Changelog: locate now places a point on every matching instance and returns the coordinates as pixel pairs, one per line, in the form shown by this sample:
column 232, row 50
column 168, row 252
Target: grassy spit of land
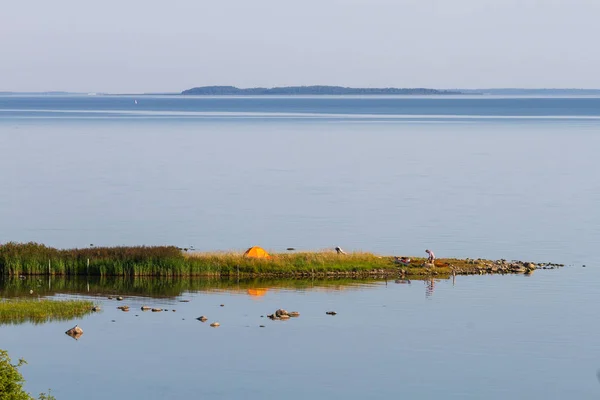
column 17, row 311
column 168, row 261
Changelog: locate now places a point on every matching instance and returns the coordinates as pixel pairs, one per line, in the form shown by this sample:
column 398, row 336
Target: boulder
column 75, row 332
column 281, row 312
column 215, row 324
column 146, row 308
column 202, row 318
column 294, row 314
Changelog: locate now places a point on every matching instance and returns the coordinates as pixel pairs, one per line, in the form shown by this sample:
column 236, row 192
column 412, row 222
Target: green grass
column 40, row 311
column 307, row 263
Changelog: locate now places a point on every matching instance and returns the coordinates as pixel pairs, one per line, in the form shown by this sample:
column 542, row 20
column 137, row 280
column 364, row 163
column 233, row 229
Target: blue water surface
column 476, row 176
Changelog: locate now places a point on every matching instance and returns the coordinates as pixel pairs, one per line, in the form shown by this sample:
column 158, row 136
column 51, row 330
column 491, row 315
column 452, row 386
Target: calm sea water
column 468, row 177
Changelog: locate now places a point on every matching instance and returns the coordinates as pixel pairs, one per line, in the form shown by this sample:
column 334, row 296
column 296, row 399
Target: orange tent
column 256, row 252
column 257, row 292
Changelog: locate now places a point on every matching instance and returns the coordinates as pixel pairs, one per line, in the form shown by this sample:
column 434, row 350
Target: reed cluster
column 38, row 259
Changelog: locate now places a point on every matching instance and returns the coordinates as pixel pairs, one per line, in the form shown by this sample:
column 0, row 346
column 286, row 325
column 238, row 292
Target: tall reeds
column 38, row 259
column 169, row 261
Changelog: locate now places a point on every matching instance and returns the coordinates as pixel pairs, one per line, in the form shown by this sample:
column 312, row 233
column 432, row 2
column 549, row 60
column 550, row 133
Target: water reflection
column 259, row 292
column 38, row 287
column 428, row 282
column 429, row 287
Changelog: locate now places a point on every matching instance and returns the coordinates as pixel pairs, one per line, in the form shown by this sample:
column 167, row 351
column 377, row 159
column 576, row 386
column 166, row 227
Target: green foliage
column 46, row 396
column 11, row 381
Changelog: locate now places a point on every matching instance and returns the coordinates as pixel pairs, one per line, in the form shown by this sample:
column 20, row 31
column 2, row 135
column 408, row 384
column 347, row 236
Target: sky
column 141, row 46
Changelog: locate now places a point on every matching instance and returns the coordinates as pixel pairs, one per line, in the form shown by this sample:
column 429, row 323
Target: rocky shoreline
column 502, row 266
column 419, row 267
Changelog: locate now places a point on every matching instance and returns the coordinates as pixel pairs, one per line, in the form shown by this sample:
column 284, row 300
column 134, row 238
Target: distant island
column 310, row 90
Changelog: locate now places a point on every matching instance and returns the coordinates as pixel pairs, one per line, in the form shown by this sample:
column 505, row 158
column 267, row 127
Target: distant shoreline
column 327, row 91
column 311, row 90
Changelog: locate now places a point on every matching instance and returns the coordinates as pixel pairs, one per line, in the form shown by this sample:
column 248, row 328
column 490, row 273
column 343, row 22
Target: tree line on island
column 311, row 90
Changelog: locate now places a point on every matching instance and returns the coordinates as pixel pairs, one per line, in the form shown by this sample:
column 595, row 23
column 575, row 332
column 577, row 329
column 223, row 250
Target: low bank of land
column 35, row 259
column 18, row 311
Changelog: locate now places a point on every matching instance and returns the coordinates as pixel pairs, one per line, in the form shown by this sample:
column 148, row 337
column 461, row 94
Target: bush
column 11, row 381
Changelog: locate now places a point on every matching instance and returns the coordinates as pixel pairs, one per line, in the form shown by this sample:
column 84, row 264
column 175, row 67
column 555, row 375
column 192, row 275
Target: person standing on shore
column 431, row 258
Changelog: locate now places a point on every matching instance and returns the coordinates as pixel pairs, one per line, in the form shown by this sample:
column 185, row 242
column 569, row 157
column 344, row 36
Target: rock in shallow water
column 75, row 332
column 281, row 312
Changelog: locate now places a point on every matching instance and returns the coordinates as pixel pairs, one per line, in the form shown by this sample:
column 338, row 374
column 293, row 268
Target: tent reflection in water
column 257, row 292
column 256, row 252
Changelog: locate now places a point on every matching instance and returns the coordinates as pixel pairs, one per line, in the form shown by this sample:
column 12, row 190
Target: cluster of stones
column 202, row 318
column 282, row 314
column 153, row 309
column 504, row 267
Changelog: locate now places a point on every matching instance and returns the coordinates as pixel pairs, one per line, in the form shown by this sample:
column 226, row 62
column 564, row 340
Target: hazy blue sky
column 160, row 45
